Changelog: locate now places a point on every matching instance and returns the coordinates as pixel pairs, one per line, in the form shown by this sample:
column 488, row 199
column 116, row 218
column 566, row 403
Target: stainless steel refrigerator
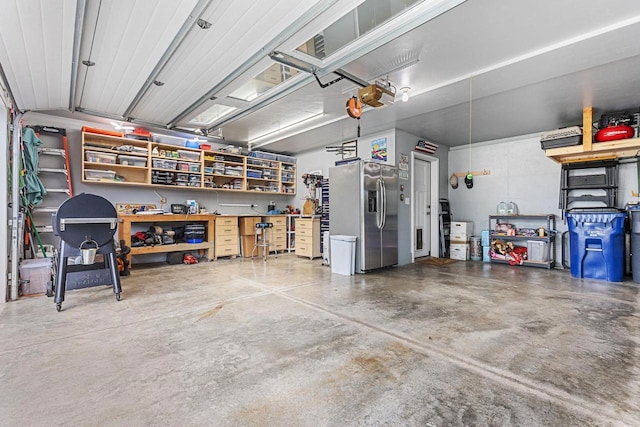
column 364, row 203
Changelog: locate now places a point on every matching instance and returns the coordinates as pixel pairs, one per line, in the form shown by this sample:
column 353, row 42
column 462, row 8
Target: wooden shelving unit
column 166, row 165
column 589, row 150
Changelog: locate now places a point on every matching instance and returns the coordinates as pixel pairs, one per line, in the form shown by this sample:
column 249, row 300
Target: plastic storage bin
column 189, row 155
column 343, row 255
column 99, row 175
column 596, row 244
column 35, row 273
column 97, row 157
column 537, row 251
column 132, row 160
column 194, row 233
column 164, row 164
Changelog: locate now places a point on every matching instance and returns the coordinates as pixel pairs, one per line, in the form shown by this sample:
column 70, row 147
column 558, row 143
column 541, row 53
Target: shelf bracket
column 474, row 173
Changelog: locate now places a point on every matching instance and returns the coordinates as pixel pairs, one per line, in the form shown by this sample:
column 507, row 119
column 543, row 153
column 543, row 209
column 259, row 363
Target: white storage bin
column 98, row 157
column 132, row 160
column 194, row 156
column 99, row 175
column 343, row 254
column 537, row 251
column 35, row 273
column 171, row 140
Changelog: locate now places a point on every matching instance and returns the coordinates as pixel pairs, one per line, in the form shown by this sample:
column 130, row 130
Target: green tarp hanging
column 33, row 188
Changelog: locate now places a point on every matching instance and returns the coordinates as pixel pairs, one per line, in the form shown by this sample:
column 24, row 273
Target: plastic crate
column 170, row 140
column 286, row 159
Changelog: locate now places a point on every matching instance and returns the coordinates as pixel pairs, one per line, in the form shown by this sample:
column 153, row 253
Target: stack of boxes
column 460, row 234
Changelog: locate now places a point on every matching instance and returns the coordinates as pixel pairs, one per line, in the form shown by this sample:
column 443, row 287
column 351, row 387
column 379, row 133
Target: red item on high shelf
column 614, row 133
column 102, row 131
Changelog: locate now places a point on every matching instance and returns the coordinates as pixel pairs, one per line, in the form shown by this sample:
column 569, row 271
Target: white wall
column 521, row 173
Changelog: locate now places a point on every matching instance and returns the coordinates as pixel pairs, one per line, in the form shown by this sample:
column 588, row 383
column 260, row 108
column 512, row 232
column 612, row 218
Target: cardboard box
column 248, row 225
column 459, row 251
column 461, row 231
column 34, row 275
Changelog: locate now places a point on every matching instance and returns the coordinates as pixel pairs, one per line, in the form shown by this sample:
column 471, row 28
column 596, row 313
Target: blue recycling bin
column 596, row 244
column 634, row 212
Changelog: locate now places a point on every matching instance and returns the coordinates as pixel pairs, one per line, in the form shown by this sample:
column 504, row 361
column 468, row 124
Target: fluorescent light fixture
column 289, row 126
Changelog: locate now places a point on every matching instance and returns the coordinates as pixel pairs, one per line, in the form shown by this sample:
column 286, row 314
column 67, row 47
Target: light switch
column 407, row 201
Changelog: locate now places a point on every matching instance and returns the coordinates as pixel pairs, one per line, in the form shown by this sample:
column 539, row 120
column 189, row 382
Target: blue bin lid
column 596, row 217
column 633, row 207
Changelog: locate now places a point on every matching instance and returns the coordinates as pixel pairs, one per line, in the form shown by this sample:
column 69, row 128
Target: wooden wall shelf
column 590, row 151
column 212, row 170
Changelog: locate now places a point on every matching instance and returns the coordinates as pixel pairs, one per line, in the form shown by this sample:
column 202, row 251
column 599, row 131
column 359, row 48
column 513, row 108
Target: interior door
column 422, row 208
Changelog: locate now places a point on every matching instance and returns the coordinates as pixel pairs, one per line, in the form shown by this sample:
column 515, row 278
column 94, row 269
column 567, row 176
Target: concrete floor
column 236, row 342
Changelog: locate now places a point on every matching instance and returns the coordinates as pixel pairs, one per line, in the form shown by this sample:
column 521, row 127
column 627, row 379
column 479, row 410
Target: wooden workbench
column 124, row 233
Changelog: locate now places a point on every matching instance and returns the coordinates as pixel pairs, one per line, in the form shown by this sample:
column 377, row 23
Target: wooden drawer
column 306, row 224
column 280, row 246
column 278, row 221
column 225, row 221
column 304, row 232
column 226, row 240
column 226, row 250
column 306, row 240
column 304, row 249
column 279, row 229
column 226, row 230
column 277, row 238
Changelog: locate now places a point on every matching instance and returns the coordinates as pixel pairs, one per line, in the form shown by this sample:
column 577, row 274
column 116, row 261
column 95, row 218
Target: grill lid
column 86, row 216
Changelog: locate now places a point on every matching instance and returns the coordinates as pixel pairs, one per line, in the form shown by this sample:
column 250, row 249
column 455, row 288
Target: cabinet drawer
column 304, row 232
column 226, row 221
column 307, row 240
column 280, row 246
column 279, row 229
column 279, row 238
column 228, row 230
column 225, row 250
column 278, row 221
column 303, row 223
column 226, row 240
column 304, row 249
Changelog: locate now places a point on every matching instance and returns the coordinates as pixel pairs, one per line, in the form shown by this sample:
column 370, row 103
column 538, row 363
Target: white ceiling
column 535, row 65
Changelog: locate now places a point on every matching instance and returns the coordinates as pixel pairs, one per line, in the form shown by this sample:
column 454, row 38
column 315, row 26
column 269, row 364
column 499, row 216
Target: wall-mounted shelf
column 155, row 164
column 590, row 151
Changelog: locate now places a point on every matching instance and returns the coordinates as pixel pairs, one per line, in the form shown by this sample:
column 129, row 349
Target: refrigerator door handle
column 384, row 203
column 379, row 203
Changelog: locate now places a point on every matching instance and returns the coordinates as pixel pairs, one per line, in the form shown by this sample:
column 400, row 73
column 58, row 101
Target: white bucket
column 88, row 254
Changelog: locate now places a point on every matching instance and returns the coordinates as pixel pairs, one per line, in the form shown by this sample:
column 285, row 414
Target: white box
column 459, row 251
column 461, row 231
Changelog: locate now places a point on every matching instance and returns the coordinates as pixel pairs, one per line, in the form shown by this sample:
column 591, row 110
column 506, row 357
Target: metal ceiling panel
column 125, row 39
column 37, row 41
column 239, row 29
